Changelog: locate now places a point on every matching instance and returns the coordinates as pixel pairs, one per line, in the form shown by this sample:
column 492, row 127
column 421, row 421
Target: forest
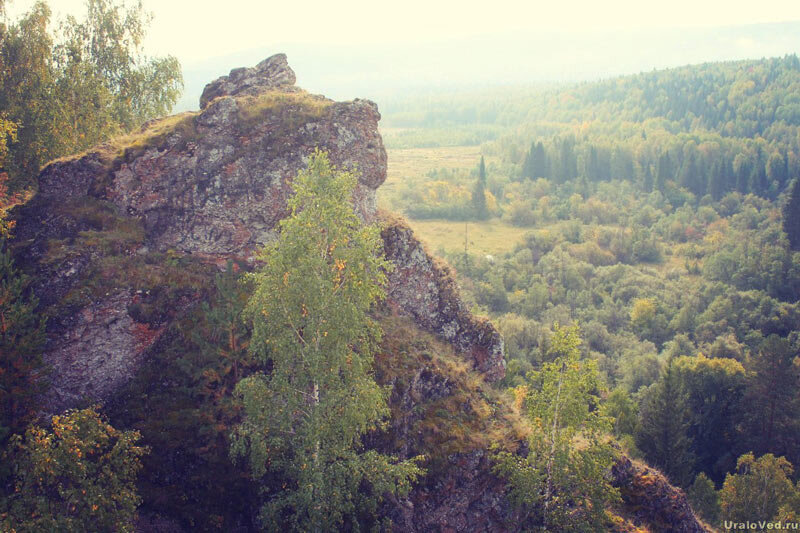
column 644, row 276
column 661, row 219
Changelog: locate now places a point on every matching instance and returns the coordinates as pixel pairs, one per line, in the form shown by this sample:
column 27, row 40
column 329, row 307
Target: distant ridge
column 348, row 71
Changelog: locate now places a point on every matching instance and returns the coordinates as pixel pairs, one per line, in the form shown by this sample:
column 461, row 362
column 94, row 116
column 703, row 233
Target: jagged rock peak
column 271, row 73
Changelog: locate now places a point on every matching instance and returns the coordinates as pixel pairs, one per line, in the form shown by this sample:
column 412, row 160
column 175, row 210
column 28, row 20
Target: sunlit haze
column 194, row 30
column 364, row 48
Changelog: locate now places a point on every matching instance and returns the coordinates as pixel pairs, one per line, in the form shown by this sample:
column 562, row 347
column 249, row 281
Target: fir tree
column 528, row 165
column 592, row 171
column 771, row 399
column 743, row 168
column 663, row 427
column 691, row 176
column 791, row 216
column 719, row 182
column 541, row 165
column 479, row 193
column 647, row 178
column 664, row 172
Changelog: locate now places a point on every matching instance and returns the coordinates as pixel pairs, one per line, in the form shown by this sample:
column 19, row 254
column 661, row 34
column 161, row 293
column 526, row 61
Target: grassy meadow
column 493, row 236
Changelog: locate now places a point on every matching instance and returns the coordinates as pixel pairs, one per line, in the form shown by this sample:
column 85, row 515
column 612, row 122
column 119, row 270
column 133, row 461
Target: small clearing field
column 487, row 237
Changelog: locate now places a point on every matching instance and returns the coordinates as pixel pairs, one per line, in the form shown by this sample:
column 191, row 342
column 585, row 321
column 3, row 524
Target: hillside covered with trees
column 661, row 217
column 207, row 324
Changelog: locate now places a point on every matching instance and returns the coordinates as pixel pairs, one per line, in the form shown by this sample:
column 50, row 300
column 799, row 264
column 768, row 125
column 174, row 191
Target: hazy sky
column 194, row 30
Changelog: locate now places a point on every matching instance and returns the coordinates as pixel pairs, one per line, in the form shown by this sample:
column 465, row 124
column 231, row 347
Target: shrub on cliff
column 306, row 414
column 562, row 484
column 77, row 476
column 21, row 341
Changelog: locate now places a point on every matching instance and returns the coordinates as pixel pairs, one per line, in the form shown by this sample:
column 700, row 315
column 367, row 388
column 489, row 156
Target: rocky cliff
column 651, row 501
column 195, row 190
column 123, row 241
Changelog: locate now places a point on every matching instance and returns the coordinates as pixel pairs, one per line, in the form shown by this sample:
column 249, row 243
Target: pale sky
column 195, row 30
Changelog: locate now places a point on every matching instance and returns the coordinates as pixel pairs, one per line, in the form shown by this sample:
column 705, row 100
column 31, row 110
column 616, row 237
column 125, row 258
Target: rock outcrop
column 425, row 287
column 441, row 411
column 651, row 501
column 122, row 240
column 270, row 73
column 202, row 188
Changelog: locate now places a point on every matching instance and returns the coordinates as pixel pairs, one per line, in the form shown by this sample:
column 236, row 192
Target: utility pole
column 466, row 247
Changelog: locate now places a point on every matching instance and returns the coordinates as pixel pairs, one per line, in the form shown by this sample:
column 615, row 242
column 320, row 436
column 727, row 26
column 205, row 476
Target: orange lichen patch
column 144, row 336
column 618, row 524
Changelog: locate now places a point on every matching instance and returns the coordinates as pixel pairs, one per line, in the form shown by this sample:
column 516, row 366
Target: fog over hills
column 386, row 71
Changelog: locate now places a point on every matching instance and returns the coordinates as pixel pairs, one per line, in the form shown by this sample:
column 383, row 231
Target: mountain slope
column 124, row 243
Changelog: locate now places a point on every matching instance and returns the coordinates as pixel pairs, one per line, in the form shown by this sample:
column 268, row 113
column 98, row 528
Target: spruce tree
column 758, row 179
column 716, row 181
column 541, row 165
column 479, row 205
column 664, row 171
column 691, row 175
column 791, row 216
column 592, row 165
column 664, row 421
column 528, row 164
column 743, row 168
column 771, row 400
column 305, row 416
column 647, row 178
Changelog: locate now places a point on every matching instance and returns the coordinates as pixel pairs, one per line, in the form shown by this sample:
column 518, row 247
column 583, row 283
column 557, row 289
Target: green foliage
column 654, row 203
column 479, row 193
column 664, row 420
column 304, row 417
column 21, row 343
column 182, row 402
column 704, row 499
column 624, row 412
column 760, row 490
column 715, row 389
column 772, row 404
column 8, row 134
column 79, row 475
column 223, row 340
column 791, row 216
column 647, row 321
column 561, row 483
column 70, row 89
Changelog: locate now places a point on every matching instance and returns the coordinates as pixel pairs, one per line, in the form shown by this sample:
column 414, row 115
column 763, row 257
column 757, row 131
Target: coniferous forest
column 570, row 307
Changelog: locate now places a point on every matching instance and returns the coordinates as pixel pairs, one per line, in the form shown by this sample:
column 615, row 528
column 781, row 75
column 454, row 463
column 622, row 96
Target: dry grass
column 413, row 164
column 492, row 236
column 152, row 133
column 295, row 107
column 473, row 416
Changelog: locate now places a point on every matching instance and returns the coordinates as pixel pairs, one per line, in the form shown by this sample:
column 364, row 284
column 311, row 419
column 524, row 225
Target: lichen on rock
column 208, row 187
